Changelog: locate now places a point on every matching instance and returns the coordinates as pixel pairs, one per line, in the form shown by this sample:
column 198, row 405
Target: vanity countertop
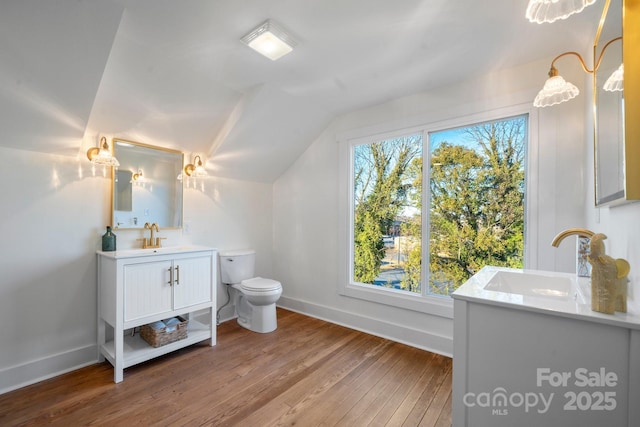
column 574, row 302
column 134, row 253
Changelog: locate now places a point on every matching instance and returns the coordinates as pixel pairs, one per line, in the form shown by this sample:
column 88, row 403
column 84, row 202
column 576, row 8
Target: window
column 387, row 213
column 477, row 189
column 417, row 230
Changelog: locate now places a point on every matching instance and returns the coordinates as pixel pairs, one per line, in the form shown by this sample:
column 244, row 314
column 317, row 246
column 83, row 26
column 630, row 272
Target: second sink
column 530, row 284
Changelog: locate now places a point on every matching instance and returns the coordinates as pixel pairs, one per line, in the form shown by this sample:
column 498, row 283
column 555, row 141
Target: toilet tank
column 236, row 266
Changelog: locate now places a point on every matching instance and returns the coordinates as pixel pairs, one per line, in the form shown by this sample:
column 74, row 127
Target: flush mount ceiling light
column 557, row 90
column 102, row 155
column 541, row 11
column 270, row 40
column 195, row 169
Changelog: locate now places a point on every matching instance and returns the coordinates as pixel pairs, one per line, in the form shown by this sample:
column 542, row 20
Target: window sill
column 437, row 306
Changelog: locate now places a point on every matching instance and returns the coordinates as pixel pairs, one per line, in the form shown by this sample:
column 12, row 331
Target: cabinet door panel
column 194, row 286
column 147, row 290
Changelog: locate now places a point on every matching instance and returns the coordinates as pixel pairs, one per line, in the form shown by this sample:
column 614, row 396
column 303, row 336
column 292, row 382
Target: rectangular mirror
column 147, row 187
column 616, row 126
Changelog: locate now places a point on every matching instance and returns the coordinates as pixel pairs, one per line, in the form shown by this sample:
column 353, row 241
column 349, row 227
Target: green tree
column 380, row 194
column 477, row 204
column 412, row 227
column 456, row 199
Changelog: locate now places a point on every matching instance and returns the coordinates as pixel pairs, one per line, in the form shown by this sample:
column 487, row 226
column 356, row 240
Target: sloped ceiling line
column 175, row 74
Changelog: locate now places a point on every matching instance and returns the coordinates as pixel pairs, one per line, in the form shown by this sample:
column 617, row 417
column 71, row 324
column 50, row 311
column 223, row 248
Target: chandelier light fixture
column 541, row 11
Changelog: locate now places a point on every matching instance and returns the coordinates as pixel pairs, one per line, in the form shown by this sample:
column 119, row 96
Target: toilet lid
column 258, row 284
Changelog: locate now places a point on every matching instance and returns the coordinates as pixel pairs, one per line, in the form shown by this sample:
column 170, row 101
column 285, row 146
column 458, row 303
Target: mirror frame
column 631, row 143
column 113, row 173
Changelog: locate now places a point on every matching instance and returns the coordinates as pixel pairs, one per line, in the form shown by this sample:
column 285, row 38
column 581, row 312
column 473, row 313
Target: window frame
column 423, row 302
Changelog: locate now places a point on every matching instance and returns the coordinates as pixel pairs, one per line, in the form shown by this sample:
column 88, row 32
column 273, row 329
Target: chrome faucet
column 583, row 268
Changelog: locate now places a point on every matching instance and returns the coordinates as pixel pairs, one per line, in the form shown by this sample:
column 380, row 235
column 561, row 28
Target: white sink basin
column 539, row 291
column 531, row 284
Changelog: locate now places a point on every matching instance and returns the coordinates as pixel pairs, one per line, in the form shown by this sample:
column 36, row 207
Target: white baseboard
column 39, row 370
column 382, row 328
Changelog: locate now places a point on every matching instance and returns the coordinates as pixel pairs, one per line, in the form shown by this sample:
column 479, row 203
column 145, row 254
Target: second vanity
column 142, row 286
column 528, row 351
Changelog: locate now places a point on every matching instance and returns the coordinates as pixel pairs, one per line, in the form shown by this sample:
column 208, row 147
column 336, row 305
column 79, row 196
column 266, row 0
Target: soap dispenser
column 109, row 240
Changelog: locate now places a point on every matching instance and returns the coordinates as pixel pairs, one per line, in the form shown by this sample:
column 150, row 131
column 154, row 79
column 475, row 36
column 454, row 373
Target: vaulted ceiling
column 174, row 72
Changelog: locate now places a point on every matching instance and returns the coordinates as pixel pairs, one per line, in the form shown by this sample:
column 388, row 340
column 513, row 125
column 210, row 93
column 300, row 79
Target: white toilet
column 254, row 297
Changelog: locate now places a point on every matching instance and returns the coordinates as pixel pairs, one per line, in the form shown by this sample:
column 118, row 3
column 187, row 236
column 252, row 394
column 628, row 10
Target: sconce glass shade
column 102, row 155
column 615, row 82
column 270, row 40
column 541, row 11
column 195, row 169
column 555, row 91
column 200, row 171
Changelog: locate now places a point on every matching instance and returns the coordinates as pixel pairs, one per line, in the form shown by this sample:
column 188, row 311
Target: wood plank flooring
column 306, row 373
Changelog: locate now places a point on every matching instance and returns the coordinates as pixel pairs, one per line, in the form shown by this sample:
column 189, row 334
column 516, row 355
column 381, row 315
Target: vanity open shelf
column 138, row 288
column 136, row 350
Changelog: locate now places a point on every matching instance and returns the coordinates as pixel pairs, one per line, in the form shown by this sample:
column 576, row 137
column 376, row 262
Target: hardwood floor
column 306, row 373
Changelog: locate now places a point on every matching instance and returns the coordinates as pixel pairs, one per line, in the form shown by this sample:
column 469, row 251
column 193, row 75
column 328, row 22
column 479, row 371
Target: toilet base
column 262, row 318
column 256, row 318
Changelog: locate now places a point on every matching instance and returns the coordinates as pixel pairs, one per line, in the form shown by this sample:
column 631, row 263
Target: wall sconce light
column 270, row 40
column 137, row 176
column 541, row 11
column 557, row 90
column 195, row 169
column 615, row 82
column 102, row 155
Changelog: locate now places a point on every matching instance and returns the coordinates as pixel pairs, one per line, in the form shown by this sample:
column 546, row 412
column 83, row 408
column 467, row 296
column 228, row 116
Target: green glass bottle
column 109, row 240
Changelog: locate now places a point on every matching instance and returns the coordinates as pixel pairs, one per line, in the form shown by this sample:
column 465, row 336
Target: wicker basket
column 160, row 337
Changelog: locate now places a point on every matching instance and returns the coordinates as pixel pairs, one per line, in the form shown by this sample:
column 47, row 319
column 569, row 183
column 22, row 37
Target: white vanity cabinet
column 137, row 287
column 156, row 287
column 531, row 353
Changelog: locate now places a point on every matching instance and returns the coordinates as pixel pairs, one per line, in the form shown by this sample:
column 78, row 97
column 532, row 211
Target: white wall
column 54, row 211
column 306, row 200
